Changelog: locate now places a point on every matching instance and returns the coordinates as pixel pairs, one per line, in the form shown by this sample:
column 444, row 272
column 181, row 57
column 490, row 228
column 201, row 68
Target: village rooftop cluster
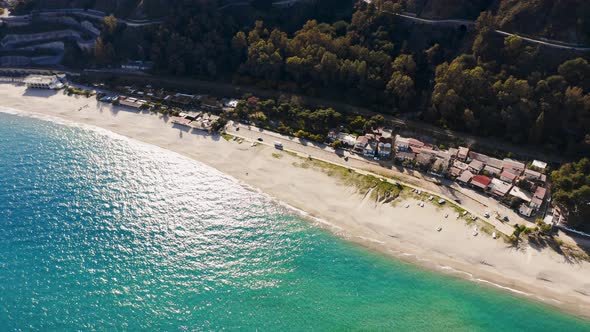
column 515, row 184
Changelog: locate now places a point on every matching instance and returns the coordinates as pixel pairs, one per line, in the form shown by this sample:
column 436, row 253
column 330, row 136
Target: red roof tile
column 483, row 180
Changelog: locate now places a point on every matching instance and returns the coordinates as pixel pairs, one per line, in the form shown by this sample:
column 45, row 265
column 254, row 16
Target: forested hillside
column 475, row 81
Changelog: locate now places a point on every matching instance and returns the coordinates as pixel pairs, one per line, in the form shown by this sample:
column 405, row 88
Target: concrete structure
column 463, row 153
column 541, row 165
column 465, row 177
column 131, row 102
column 43, row 82
column 475, row 166
column 519, row 193
column 500, row 188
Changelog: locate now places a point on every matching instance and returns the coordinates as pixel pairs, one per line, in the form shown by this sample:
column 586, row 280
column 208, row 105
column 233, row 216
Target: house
column 384, row 150
column 455, row 172
column 475, row 166
column 386, row 133
column 538, row 198
column 512, row 166
column 401, row 143
column 460, row 165
column 211, row 104
column 525, row 210
column 453, row 152
column 180, row 100
column 472, row 155
column 369, row 150
column 333, row 134
column 403, row 156
column 500, row 188
column 361, row 142
column 491, row 170
column 416, row 143
column 508, row 177
column 465, row 177
column 534, row 176
column 520, row 193
column 440, row 166
column 346, row 139
column 540, row 192
column 424, row 159
column 481, row 181
column 540, row 165
column 536, row 203
column 496, row 163
column 130, row 102
column 463, row 153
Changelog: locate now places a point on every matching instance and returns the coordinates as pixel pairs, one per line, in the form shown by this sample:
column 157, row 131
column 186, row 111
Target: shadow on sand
column 40, row 93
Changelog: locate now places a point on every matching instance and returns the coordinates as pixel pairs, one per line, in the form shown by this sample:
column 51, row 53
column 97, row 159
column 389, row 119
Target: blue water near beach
column 98, row 232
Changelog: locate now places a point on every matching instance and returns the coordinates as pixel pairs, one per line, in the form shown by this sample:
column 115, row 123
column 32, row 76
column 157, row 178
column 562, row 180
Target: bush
column 337, row 144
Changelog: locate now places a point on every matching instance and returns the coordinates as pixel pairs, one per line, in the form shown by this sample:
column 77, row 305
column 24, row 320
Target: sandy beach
column 408, row 233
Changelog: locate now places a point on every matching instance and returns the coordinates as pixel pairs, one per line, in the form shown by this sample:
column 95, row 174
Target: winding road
column 468, row 23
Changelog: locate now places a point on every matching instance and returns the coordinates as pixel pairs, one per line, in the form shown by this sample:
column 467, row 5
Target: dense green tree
column 571, row 192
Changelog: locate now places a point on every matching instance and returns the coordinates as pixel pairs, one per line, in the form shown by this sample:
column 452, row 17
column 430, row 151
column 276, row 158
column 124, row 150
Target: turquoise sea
column 98, row 232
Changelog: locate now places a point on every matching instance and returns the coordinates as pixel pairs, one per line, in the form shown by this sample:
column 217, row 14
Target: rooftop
column 500, row 187
column 465, row 176
column 481, row 181
column 476, row 164
column 517, row 192
column 539, row 164
column 540, row 192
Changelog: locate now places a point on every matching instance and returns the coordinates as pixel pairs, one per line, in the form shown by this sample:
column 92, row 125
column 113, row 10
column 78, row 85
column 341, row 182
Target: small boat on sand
column 494, row 235
column 439, row 229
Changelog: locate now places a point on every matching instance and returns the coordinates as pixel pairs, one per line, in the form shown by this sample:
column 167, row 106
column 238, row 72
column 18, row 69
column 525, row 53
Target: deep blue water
column 103, row 233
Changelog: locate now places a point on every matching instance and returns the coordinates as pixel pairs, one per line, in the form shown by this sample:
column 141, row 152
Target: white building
column 43, row 82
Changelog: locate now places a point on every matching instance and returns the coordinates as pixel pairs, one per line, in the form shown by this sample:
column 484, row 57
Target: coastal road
column 364, row 166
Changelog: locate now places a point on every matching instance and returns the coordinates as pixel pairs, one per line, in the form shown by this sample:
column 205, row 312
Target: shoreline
column 406, row 234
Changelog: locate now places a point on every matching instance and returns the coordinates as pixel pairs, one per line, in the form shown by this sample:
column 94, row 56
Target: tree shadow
column 540, row 243
column 181, row 128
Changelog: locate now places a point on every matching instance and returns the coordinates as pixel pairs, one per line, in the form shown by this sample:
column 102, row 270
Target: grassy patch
column 227, row 136
column 277, row 155
column 291, row 153
column 381, row 191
